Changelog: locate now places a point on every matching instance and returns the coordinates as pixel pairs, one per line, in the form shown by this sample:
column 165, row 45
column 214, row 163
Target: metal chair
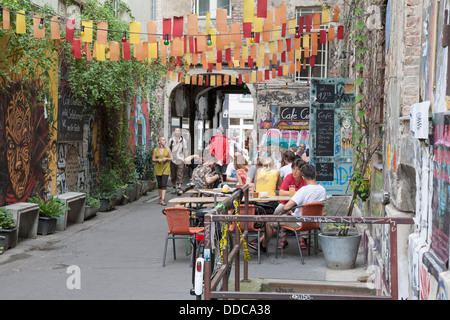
column 179, row 228
column 309, row 209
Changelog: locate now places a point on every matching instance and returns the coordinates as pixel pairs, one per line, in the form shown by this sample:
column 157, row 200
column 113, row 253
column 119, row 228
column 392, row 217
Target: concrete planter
column 90, row 212
column 11, row 236
column 340, row 252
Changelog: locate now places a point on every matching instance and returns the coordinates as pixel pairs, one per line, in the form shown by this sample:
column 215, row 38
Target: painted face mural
column 24, row 143
column 18, row 131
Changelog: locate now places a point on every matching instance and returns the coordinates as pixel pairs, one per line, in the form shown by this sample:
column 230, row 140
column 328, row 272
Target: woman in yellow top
column 162, row 156
column 267, row 180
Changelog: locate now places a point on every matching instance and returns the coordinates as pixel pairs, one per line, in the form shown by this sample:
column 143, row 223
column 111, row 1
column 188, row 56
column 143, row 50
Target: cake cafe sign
column 294, row 113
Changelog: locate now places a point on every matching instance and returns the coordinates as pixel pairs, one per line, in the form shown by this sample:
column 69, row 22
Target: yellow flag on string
column 208, row 19
column 249, row 10
column 21, row 26
column 153, row 50
column 100, row 52
column 88, row 31
column 325, row 16
column 135, row 32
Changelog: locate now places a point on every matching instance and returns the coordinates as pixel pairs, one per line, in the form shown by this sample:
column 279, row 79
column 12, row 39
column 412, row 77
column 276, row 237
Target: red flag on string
column 70, row 29
column 312, row 61
column 280, row 71
column 288, row 44
column 301, row 23
column 262, row 9
column 323, row 36
column 167, row 27
column 283, row 30
column 228, row 54
column 267, row 74
column 250, row 62
column 77, row 48
column 126, row 50
column 240, row 79
column 178, row 26
column 219, row 56
column 340, row 32
column 247, row 29
column 308, row 23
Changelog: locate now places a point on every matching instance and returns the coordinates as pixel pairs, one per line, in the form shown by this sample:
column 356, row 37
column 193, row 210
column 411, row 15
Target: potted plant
column 92, row 206
column 108, row 185
column 49, row 212
column 340, row 240
column 8, row 230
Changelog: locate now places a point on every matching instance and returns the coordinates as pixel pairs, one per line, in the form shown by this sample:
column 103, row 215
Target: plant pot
column 90, row 211
column 105, row 205
column 132, row 195
column 117, row 198
column 340, row 252
column 11, row 236
column 2, row 244
column 46, row 225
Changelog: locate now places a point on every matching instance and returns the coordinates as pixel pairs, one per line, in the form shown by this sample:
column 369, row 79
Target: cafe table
column 206, row 200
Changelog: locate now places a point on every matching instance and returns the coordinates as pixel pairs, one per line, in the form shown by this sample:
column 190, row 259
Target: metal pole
column 394, row 262
column 207, row 273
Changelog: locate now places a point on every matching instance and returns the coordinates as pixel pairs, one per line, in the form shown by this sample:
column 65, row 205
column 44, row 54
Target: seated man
column 204, row 176
column 310, row 193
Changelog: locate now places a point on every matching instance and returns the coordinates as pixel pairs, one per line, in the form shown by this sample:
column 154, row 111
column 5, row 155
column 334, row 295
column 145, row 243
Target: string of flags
column 266, row 41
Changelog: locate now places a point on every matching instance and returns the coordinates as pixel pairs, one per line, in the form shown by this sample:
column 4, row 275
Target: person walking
column 178, row 147
column 219, row 147
column 162, row 156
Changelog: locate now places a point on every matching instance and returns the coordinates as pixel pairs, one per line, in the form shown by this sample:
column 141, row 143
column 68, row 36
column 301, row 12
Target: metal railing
column 220, row 214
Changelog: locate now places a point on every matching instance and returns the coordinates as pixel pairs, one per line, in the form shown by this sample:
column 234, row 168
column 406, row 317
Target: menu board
column 70, row 117
column 325, row 171
column 325, row 93
column 331, row 152
column 324, row 133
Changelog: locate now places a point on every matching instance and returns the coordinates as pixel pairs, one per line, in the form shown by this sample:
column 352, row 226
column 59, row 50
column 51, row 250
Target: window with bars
column 319, row 70
column 204, row 6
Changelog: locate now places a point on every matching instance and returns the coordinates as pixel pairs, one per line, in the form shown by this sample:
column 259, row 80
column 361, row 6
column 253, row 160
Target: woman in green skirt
column 162, row 156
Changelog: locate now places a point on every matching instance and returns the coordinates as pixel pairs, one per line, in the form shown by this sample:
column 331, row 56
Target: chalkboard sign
column 325, row 171
column 325, row 93
column 324, row 133
column 70, row 117
column 294, row 113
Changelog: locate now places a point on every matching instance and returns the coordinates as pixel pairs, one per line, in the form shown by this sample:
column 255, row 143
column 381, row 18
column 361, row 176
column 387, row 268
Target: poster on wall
column 441, row 189
column 70, row 117
column 331, row 148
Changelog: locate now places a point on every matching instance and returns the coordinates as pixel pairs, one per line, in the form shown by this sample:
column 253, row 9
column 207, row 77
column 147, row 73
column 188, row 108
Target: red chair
column 314, row 209
column 251, row 225
column 178, row 221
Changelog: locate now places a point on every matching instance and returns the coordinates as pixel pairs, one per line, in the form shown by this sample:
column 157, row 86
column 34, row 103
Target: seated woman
column 293, row 179
column 241, row 166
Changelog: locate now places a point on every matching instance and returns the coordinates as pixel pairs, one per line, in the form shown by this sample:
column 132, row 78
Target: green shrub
column 50, row 208
column 6, row 219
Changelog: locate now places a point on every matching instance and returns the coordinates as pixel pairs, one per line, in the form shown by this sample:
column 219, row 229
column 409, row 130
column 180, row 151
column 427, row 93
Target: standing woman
column 162, row 156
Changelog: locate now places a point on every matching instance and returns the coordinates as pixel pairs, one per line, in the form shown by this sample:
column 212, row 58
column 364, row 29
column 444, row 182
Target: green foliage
column 6, row 219
column 109, row 181
column 22, row 56
column 92, row 202
column 50, row 208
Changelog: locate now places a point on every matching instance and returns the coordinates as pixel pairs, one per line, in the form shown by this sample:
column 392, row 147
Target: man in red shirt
column 219, row 147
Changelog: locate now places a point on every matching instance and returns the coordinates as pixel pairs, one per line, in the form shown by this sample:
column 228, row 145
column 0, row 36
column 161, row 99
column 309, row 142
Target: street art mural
column 25, row 135
column 140, row 134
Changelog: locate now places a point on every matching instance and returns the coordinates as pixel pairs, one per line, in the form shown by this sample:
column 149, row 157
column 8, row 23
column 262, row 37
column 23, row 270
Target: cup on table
column 291, row 190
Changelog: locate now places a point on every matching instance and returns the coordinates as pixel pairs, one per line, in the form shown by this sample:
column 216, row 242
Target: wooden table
column 204, row 200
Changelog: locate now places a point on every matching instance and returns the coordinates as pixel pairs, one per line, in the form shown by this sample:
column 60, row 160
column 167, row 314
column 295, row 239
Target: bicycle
column 215, row 255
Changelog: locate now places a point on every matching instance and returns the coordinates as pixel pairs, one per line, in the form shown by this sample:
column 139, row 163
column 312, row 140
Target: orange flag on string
column 102, row 32
column 336, row 13
column 114, row 50
column 192, row 24
column 331, row 33
column 6, row 18
column 316, row 20
column 221, row 20
column 38, row 33
column 314, row 43
column 152, row 31
column 54, row 28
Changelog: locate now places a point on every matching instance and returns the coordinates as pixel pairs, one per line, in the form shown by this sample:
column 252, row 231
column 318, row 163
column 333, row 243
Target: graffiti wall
column 140, row 134
column 25, row 135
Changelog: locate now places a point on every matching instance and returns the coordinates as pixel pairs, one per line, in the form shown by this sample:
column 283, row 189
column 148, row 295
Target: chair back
column 177, row 219
column 251, row 212
column 314, row 209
